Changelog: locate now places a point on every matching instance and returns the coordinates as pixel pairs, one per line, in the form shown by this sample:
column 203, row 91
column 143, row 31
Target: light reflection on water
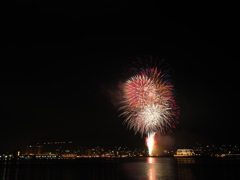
column 149, row 168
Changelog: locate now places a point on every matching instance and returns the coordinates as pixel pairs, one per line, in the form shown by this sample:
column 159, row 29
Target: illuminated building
column 51, row 148
column 184, row 153
column 34, row 150
column 58, row 147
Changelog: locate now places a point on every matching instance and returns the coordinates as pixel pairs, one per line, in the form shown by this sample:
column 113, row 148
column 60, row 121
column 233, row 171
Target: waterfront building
column 184, row 153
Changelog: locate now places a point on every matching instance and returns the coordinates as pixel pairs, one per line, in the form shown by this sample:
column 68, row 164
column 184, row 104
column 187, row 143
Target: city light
column 74, row 151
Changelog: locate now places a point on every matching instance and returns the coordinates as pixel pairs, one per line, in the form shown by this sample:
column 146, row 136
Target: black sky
column 59, row 62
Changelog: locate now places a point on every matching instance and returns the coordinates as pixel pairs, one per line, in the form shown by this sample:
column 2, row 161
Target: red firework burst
column 149, row 103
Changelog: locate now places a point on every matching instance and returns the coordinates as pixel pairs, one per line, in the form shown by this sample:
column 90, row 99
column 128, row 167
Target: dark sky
column 60, row 61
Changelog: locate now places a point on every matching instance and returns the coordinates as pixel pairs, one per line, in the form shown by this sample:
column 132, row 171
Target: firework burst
column 149, row 105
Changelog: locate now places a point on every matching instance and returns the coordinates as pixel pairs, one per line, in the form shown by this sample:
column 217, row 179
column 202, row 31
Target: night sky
column 61, row 65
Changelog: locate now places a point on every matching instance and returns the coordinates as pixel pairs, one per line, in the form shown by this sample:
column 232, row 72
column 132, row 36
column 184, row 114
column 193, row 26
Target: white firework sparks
column 150, row 142
column 149, row 104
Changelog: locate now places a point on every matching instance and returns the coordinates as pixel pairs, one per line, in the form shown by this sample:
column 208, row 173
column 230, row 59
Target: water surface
column 149, row 168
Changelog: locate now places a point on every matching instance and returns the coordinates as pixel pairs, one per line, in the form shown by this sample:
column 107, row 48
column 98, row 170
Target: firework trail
column 150, row 142
column 149, row 104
